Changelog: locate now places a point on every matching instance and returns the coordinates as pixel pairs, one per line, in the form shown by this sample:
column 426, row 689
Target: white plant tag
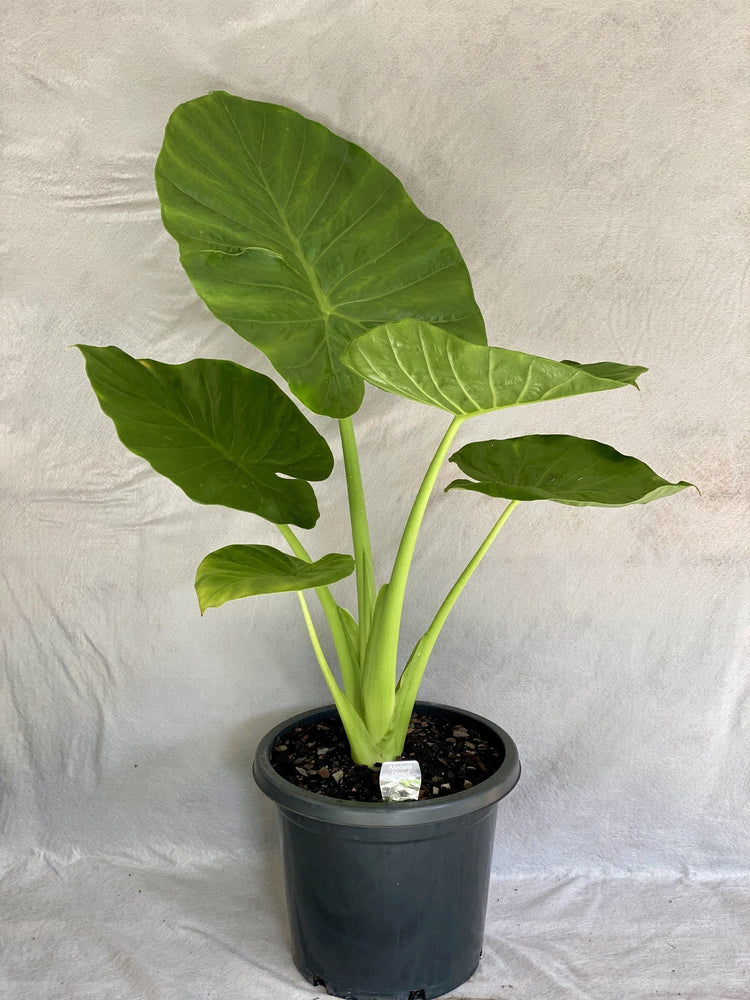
column 400, row 780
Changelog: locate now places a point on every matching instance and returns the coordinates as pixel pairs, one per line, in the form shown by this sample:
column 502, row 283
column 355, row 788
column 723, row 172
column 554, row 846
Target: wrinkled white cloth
column 590, row 158
column 106, row 930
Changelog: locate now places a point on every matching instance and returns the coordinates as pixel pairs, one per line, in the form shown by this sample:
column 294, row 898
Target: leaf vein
column 393, row 291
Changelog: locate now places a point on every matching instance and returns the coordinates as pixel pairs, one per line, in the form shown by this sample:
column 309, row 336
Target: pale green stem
column 294, row 543
column 410, row 680
column 381, row 684
column 360, row 533
column 444, row 610
column 319, row 654
column 349, row 673
column 364, row 750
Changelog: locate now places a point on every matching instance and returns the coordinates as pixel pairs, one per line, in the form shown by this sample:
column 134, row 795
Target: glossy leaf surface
column 247, row 570
column 224, row 434
column 557, row 467
column 428, row 364
column 300, row 240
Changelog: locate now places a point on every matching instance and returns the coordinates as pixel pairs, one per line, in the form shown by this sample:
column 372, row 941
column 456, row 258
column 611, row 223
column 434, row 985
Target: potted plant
column 311, row 250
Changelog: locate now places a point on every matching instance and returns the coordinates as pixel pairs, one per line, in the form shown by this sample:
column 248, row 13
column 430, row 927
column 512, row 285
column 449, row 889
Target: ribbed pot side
column 387, row 902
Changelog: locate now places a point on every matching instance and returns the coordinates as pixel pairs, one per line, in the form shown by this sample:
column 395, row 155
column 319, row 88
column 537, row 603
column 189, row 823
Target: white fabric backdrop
column 590, row 157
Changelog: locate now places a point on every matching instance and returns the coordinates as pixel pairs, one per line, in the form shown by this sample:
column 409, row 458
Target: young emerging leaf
column 300, row 241
column 557, row 467
column 222, row 433
column 247, row 570
column 427, row 364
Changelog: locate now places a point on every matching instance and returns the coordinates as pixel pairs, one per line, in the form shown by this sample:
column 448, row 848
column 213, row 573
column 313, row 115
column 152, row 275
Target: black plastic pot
column 387, row 902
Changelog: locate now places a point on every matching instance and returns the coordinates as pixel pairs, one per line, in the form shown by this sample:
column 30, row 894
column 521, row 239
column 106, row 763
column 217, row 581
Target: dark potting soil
column 452, row 753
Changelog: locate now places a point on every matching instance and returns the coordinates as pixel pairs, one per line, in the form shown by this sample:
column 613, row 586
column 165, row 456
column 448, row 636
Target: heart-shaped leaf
column 557, row 467
column 300, row 240
column 430, row 365
column 246, row 570
column 224, row 434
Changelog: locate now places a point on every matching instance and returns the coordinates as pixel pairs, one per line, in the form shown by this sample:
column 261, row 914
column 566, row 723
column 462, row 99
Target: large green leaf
column 428, row 364
column 300, row 240
column 246, row 570
column 557, row 467
column 224, row 434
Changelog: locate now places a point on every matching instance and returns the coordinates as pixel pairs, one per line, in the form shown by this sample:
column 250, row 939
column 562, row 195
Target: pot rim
column 380, row 814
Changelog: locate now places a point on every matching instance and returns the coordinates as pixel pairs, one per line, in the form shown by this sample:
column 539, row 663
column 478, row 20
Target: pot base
column 425, row 993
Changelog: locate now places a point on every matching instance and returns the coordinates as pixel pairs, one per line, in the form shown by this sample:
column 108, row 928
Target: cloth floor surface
column 590, row 159
column 109, row 930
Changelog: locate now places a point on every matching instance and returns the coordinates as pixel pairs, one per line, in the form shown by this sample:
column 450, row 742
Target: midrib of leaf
column 323, row 302
column 281, row 212
column 320, row 296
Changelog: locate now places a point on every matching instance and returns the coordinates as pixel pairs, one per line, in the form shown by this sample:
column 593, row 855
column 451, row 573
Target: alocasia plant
column 311, row 250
